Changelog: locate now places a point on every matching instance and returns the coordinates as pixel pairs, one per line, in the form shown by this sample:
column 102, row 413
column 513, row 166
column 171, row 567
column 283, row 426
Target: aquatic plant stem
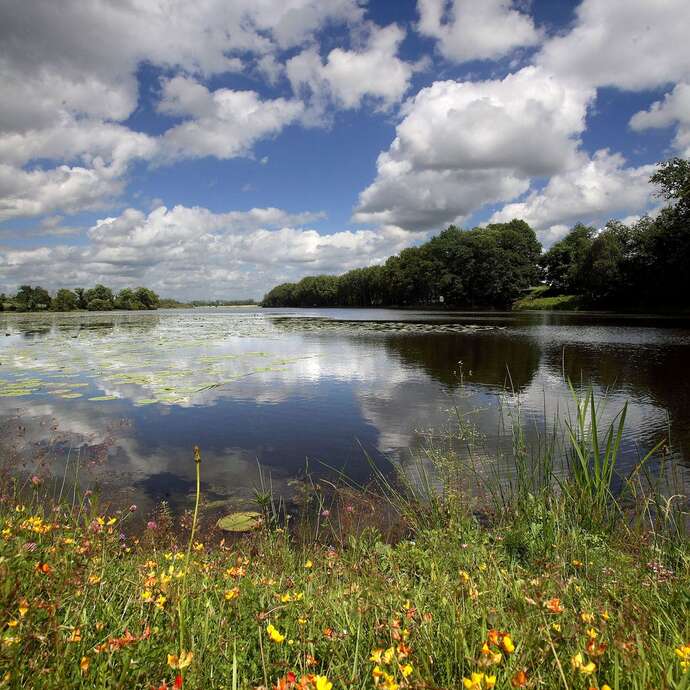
column 183, row 589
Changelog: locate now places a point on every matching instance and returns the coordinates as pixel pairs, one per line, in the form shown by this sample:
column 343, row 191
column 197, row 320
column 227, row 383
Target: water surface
column 120, row 398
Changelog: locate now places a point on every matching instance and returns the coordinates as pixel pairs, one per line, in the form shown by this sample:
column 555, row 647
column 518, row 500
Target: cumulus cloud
column 461, row 145
column 674, row 109
column 346, row 77
column 182, row 250
column 222, row 123
column 597, row 189
column 630, row 44
column 70, row 82
column 471, row 30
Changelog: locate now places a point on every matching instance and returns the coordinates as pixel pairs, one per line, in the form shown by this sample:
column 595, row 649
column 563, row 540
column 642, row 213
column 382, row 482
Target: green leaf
column 240, row 522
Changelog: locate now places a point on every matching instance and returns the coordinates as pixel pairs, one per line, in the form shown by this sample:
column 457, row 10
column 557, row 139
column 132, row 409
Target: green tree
column 65, row 300
column 563, row 264
column 101, row 294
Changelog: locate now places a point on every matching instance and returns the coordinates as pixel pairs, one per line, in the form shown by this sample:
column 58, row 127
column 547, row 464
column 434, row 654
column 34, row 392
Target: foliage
column 638, row 265
column 98, row 298
column 480, row 267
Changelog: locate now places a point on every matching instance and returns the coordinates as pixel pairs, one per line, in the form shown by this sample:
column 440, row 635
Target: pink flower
column 325, row 513
column 132, row 508
column 151, row 524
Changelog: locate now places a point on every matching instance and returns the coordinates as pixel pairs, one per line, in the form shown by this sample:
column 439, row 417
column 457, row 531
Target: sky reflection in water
column 129, row 395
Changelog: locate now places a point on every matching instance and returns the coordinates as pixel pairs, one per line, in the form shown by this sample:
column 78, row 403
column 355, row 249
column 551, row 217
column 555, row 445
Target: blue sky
column 215, row 149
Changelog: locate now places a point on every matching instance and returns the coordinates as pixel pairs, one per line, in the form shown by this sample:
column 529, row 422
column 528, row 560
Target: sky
column 216, row 148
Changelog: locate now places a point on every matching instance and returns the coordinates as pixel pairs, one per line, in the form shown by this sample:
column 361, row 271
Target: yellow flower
column 376, row 656
column 322, row 683
column 302, row 621
column 508, row 645
column 479, row 681
column 147, row 596
column 388, row 655
column 94, row 579
column 556, row 627
column 591, row 633
column 587, row 617
column 274, row 633
column 160, row 601
column 308, row 565
column 231, row 594
column 75, row 636
column 84, row 664
column 406, row 670
column 13, row 623
column 182, row 661
column 112, row 521
column 579, row 664
column 23, row 608
column 683, row 653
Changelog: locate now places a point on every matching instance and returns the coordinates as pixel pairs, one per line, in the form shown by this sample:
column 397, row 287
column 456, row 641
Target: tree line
column 645, row 263
column 98, row 298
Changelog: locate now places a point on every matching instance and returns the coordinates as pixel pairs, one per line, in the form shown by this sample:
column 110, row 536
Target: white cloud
column 70, row 80
column 461, row 145
column 223, row 123
column 673, row 110
column 476, row 30
column 597, row 189
column 182, row 250
column 631, row 44
column 348, row 76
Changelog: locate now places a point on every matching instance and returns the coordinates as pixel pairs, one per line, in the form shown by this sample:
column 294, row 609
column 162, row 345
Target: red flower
column 178, row 681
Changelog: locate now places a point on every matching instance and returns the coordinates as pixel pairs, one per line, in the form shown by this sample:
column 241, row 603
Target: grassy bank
column 547, row 585
column 538, row 298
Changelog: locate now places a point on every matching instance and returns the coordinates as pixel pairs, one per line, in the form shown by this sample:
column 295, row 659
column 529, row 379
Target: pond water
column 119, row 399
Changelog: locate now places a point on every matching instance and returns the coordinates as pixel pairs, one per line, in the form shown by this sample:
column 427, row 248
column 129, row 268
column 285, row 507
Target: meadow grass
column 553, row 583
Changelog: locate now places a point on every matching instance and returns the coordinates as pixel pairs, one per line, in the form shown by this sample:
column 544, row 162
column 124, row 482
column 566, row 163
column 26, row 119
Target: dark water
column 120, row 399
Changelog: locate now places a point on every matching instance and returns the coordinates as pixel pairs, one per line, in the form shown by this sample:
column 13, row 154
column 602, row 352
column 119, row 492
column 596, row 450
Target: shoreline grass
column 536, row 592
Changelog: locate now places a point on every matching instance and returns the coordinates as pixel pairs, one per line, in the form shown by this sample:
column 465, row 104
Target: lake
column 119, row 399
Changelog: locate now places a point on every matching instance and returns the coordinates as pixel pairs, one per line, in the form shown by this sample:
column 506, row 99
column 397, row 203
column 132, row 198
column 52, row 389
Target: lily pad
column 240, row 522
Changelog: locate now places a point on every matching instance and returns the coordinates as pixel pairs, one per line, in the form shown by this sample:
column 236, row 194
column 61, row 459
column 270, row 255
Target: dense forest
column 641, row 264
column 98, row 298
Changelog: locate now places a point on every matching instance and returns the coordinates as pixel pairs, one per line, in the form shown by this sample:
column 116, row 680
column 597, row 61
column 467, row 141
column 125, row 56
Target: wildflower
column 94, row 579
column 554, row 605
column 198, row 546
column 147, row 596
column 591, row 633
column 490, row 656
column 274, row 633
column 182, row 661
column 576, row 563
column 322, row 683
column 75, row 636
column 231, row 594
column 308, row 565
column 579, row 664
column 160, row 602
column 84, row 664
column 12, row 623
column 683, row 653
column 23, row 608
column 388, row 655
column 325, row 513
column 556, row 627
column 508, row 645
column 43, row 568
column 376, row 656
column 406, row 670
column 479, row 681
column 605, row 615
column 111, row 521
column 302, row 621
column 519, row 680
column 587, row 617
column 133, row 508
column 152, row 525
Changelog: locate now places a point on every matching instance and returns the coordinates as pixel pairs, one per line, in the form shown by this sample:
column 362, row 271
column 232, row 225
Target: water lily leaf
column 99, row 398
column 240, row 522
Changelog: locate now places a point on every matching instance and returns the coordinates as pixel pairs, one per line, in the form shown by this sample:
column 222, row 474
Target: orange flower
column 554, row 605
column 84, row 664
column 519, row 680
column 43, row 568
